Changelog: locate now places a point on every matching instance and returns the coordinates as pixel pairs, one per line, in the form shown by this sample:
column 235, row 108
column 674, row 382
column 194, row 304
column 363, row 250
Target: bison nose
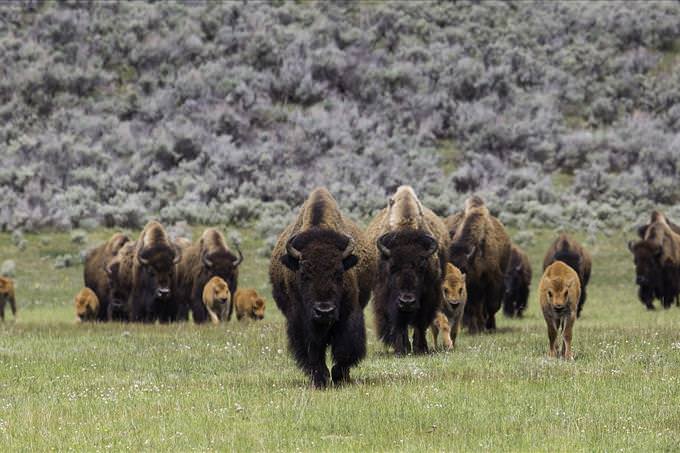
column 323, row 308
column 406, row 300
column 163, row 292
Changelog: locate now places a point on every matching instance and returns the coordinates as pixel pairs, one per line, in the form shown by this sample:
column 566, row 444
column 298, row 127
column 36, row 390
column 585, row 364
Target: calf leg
column 348, row 346
column 2, row 308
column 566, row 343
column 552, row 338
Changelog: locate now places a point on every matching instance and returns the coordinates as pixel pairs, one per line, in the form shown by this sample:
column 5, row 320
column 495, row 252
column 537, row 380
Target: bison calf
column 571, row 253
column 449, row 319
column 7, row 295
column 87, row 305
column 217, row 299
column 248, row 304
column 559, row 293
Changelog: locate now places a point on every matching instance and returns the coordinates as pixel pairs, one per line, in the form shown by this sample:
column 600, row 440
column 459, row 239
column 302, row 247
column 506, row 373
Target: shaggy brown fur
column 449, row 318
column 217, row 299
column 517, row 282
column 87, row 305
column 321, row 272
column 559, row 293
column 95, row 275
column 207, row 258
column 654, row 217
column 480, row 248
column 569, row 251
column 412, row 241
column 657, row 263
column 248, row 304
column 143, row 273
column 7, row 295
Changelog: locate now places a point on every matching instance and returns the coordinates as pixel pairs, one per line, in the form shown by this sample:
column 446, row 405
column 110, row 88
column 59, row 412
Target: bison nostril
column 407, row 299
column 323, row 309
column 162, row 292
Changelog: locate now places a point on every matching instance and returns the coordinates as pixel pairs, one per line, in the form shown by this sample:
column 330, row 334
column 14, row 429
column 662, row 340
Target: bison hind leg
column 348, row 346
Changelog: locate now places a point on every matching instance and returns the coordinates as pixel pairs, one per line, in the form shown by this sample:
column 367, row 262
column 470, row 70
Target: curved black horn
column 292, row 251
column 239, row 260
column 349, row 248
column 178, row 255
column 381, row 245
column 433, row 246
column 206, row 261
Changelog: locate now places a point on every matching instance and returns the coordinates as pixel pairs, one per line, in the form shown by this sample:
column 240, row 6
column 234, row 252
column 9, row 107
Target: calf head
column 319, row 258
column 559, row 297
column 406, row 256
column 453, row 288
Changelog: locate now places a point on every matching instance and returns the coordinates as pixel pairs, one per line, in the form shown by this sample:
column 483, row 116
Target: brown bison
column 87, row 305
column 217, row 299
column 321, row 273
column 449, row 317
column 657, row 215
column 559, row 294
column 480, row 248
column 144, row 275
column 95, row 275
column 517, row 282
column 248, row 304
column 412, row 242
column 657, row 263
column 7, row 295
column 571, row 253
column 207, row 258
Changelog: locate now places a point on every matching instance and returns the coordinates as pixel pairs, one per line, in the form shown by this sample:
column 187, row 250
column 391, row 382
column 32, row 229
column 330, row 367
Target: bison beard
column 408, row 289
column 319, row 308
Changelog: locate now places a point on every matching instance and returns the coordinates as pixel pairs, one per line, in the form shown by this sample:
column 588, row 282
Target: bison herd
column 422, row 272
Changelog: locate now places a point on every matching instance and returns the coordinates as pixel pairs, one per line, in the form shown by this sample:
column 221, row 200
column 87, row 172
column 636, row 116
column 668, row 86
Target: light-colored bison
column 449, row 319
column 217, row 299
column 559, row 293
column 248, row 304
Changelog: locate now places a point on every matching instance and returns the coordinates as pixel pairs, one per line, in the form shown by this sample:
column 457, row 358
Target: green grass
column 234, row 388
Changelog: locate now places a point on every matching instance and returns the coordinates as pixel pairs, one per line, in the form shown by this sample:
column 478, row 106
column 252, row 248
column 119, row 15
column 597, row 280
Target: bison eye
column 550, row 294
column 565, row 294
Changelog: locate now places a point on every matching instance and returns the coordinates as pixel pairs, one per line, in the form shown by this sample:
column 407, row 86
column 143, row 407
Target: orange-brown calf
column 559, row 293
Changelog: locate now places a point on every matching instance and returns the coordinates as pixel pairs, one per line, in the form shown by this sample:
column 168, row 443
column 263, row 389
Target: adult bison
column 321, row 273
column 657, row 263
column 207, row 258
column 570, row 252
column 480, row 248
column 143, row 274
column 407, row 291
column 95, row 274
column 517, row 282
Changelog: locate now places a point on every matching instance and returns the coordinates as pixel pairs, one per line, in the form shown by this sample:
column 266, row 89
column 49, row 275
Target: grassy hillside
column 233, row 387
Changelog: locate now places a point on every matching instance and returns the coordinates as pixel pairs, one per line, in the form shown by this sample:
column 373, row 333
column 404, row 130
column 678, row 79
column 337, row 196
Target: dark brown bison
column 95, row 275
column 207, row 258
column 657, row 263
column 407, row 291
column 517, row 282
column 7, row 296
column 321, row 272
column 571, row 253
column 480, row 248
column 144, row 274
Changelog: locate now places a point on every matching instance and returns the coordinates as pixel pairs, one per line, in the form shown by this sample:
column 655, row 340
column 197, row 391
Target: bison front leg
column 567, row 336
column 2, row 308
column 402, row 345
column 419, row 340
column 317, row 369
column 13, row 305
column 552, row 337
column 348, row 346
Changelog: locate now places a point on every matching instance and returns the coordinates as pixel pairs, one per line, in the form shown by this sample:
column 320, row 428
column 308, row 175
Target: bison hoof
column 320, row 378
column 340, row 375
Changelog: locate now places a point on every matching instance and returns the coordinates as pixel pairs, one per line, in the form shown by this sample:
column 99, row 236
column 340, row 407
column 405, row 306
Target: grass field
column 234, row 387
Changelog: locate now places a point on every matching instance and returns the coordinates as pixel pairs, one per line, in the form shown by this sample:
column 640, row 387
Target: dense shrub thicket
column 560, row 113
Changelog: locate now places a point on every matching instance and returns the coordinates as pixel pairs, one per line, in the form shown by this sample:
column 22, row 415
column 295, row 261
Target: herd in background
column 423, row 272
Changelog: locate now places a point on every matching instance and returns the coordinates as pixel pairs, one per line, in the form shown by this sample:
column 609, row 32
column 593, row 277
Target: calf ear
column 350, row 262
column 290, row 262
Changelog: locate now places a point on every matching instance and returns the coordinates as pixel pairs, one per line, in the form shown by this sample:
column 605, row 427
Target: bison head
column 157, row 265
column 406, row 256
column 648, row 271
column 220, row 262
column 320, row 259
column 462, row 256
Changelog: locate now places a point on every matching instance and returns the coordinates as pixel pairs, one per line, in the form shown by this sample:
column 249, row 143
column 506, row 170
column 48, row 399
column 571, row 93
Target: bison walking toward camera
column 95, row 275
column 559, row 294
column 571, row 253
column 517, row 282
column 412, row 242
column 657, row 262
column 480, row 248
column 207, row 258
column 143, row 274
column 321, row 273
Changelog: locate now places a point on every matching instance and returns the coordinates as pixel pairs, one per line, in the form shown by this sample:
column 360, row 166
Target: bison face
column 648, row 272
column 406, row 256
column 320, row 259
column 559, row 299
column 158, row 270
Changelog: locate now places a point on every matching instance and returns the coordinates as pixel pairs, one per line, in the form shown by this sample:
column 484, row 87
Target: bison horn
column 206, row 261
column 240, row 256
column 472, row 251
column 142, row 261
column 381, row 245
column 292, row 251
column 178, row 255
column 630, row 245
column 350, row 247
column 432, row 246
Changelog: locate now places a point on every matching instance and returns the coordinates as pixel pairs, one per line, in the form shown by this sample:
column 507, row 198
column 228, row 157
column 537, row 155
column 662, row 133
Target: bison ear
column 290, row 262
column 350, row 262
